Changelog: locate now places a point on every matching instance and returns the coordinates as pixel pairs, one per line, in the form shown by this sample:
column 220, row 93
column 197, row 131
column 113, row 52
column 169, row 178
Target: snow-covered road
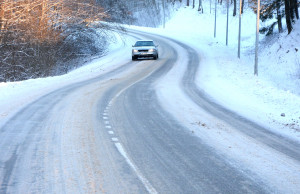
column 138, row 127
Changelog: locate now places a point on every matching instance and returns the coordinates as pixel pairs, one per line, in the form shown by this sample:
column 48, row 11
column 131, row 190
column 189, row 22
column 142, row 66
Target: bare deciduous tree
column 31, row 32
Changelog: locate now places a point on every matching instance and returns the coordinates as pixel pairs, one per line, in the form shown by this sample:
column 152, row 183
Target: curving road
column 114, row 134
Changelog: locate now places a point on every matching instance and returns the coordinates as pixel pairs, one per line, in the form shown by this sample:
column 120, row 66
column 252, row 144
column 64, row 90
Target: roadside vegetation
column 40, row 38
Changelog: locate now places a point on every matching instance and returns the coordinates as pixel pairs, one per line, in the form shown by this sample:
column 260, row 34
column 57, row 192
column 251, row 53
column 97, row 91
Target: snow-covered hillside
column 273, row 97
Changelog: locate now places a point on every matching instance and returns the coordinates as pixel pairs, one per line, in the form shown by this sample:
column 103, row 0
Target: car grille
column 143, row 50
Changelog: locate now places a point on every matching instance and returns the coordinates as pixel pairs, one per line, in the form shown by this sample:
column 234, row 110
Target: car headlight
column 135, row 51
column 151, row 50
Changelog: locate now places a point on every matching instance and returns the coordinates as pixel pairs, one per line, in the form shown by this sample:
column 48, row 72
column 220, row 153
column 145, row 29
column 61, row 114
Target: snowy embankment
column 271, row 99
column 15, row 95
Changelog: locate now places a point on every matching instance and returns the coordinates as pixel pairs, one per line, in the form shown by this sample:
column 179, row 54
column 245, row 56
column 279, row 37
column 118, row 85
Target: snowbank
column 15, row 95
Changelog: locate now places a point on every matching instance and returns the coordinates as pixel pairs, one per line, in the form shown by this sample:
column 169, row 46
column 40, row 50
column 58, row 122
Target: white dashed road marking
column 146, row 183
column 114, row 139
column 120, row 148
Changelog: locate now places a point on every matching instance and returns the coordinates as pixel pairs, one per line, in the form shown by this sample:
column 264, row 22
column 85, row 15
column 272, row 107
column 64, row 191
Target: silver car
column 144, row 48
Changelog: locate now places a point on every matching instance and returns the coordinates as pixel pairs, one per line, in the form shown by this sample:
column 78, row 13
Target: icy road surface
column 122, row 132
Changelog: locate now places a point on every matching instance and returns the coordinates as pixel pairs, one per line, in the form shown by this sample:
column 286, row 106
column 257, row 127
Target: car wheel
column 155, row 57
column 133, row 58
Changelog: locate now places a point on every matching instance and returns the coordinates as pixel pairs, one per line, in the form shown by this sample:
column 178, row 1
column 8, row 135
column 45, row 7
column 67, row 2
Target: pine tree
column 269, row 9
column 279, row 9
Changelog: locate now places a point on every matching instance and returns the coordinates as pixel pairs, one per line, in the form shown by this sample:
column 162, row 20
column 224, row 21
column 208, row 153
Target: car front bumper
column 144, row 54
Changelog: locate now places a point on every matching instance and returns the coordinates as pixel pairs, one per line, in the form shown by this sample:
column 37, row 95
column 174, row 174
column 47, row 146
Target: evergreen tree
column 278, row 9
column 269, row 10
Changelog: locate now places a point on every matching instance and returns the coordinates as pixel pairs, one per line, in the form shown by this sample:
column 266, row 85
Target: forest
column 40, row 38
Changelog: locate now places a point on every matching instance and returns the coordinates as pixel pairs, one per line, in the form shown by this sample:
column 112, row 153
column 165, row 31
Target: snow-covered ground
column 229, row 80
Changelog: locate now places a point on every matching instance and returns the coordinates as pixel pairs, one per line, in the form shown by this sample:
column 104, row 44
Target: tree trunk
column 292, row 10
column 200, row 8
column 243, row 2
column 288, row 16
column 2, row 9
column 187, row 2
column 279, row 16
column 234, row 7
column 296, row 9
column 1, row 16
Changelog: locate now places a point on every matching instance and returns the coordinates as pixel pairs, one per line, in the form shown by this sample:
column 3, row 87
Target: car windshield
column 144, row 43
